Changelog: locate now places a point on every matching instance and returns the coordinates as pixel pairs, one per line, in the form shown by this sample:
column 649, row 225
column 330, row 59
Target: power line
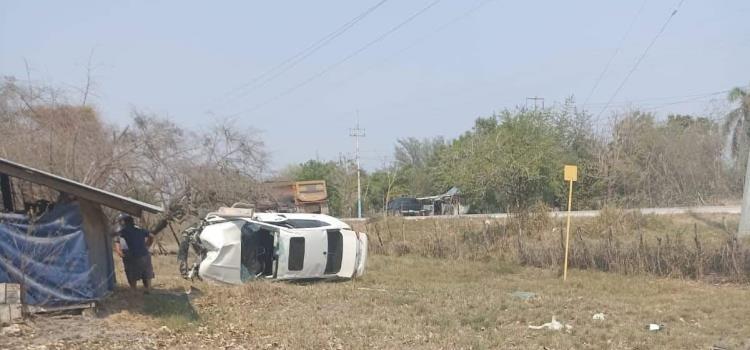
column 286, row 65
column 689, row 100
column 653, row 107
column 640, row 59
column 535, row 99
column 617, row 51
column 418, row 41
column 343, row 60
column 628, row 102
column 300, row 59
column 686, row 99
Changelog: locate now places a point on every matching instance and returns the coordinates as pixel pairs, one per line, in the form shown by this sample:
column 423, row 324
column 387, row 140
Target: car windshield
column 299, row 223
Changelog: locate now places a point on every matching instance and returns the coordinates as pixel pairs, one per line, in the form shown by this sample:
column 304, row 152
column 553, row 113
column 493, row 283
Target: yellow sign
column 571, row 173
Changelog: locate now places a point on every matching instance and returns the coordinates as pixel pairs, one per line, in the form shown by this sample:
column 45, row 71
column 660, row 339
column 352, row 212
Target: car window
column 306, row 223
column 296, row 254
column 334, row 255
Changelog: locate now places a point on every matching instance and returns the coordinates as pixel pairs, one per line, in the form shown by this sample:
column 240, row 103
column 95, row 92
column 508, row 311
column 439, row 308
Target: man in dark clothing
column 134, row 252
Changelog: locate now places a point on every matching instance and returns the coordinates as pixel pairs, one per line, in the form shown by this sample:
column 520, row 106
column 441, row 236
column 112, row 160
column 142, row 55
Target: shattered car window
column 257, row 251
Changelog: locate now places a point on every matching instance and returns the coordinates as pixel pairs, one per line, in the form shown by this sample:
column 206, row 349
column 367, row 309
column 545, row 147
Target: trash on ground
column 387, row 291
column 524, row 295
column 553, row 325
column 193, row 292
column 13, row 330
column 599, row 317
column 655, row 327
column 719, row 346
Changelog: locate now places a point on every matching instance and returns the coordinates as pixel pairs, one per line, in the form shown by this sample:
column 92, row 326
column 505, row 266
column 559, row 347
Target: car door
column 302, row 253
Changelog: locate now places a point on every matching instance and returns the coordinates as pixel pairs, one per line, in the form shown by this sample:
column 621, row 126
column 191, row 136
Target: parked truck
column 297, row 197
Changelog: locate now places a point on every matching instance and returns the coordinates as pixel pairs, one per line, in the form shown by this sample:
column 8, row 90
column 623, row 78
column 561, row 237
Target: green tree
column 581, row 147
column 415, row 160
column 506, row 162
column 381, row 186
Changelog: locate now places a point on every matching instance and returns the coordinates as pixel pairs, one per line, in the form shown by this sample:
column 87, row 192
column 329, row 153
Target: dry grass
column 427, row 303
column 428, row 297
column 625, row 242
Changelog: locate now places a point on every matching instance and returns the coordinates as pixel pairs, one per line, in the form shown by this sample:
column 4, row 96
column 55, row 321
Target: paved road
column 729, row 209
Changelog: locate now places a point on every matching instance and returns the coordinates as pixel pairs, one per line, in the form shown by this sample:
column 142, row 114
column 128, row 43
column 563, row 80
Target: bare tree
column 152, row 159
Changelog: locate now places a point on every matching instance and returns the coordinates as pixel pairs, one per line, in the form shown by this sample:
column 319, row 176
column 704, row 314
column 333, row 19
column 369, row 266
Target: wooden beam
column 130, row 206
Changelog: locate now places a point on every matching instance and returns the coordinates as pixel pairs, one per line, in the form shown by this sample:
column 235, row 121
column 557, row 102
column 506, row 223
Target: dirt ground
column 407, row 302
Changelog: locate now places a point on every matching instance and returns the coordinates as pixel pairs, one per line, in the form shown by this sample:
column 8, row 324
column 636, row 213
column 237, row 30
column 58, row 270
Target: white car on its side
column 237, row 246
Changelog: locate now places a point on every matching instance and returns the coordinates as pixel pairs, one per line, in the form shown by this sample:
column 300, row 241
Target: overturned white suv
column 236, row 245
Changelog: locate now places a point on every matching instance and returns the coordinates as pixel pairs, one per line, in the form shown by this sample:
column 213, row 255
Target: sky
column 417, row 68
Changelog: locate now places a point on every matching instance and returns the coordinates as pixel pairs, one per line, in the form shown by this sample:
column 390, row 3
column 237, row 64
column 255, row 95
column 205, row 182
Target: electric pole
column 357, row 133
column 744, row 229
column 535, row 99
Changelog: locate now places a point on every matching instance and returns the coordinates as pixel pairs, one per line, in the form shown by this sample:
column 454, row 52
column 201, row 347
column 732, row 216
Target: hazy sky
column 432, row 76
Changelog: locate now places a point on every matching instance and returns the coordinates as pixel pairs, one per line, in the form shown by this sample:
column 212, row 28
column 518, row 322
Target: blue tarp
column 50, row 258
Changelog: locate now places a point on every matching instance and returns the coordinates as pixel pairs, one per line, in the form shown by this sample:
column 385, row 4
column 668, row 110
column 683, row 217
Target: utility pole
column 744, row 229
column 535, row 99
column 357, row 133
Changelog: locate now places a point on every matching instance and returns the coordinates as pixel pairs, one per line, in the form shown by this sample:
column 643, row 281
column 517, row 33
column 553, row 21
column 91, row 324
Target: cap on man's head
column 125, row 218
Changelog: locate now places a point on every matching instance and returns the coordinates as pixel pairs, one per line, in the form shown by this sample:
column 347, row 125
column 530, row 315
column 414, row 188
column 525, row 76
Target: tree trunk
column 744, row 229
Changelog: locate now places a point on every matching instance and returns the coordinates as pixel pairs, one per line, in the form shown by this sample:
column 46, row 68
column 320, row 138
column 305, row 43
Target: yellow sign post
column 571, row 175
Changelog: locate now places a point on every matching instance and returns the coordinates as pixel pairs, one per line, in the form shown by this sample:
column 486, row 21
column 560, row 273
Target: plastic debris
column 525, row 296
column 653, row 327
column 193, row 292
column 598, row 317
column 553, row 325
column 720, row 346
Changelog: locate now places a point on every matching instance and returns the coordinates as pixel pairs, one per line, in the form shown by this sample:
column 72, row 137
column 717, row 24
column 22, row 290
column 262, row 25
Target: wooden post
column 7, row 191
column 570, row 175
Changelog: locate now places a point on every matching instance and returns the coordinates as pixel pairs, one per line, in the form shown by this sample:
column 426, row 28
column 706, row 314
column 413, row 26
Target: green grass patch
column 174, row 310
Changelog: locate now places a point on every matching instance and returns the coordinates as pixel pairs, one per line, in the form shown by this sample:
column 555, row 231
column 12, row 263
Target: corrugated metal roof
column 61, row 184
